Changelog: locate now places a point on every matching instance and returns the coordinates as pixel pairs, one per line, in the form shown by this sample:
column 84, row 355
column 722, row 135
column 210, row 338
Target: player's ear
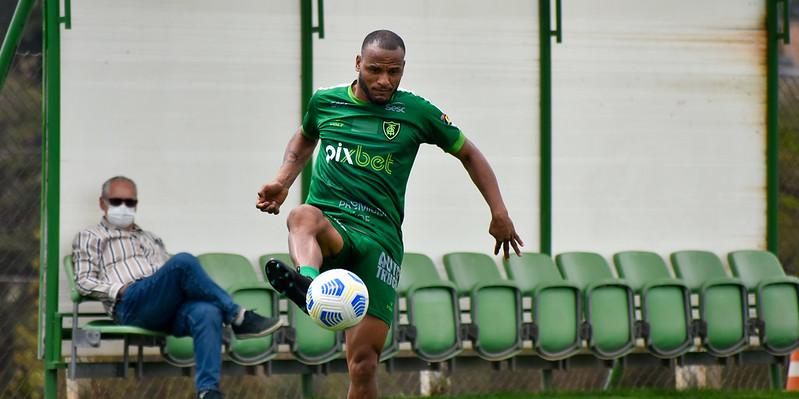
column 358, row 63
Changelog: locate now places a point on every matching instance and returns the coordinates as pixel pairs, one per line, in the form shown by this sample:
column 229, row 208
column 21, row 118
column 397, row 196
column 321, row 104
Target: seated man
column 130, row 271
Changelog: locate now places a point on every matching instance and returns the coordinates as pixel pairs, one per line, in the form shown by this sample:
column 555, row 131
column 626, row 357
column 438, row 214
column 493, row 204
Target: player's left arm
column 483, row 176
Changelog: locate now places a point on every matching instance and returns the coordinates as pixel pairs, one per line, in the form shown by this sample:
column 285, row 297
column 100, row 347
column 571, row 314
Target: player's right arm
column 298, row 152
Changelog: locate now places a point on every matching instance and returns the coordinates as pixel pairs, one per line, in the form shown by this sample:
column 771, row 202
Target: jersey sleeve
column 441, row 132
column 309, row 125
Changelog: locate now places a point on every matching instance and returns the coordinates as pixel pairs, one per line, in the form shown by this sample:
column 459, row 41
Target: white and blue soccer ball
column 337, row 299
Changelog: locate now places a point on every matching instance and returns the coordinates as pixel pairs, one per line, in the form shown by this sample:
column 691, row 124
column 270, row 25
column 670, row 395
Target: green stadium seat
column 665, row 302
column 236, row 275
column 93, row 332
column 495, row 304
column 432, row 308
column 608, row 303
column 777, row 301
column 723, row 309
column 556, row 304
column 310, row 343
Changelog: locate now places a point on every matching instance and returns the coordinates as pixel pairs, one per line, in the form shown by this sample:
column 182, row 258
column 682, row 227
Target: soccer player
column 369, row 133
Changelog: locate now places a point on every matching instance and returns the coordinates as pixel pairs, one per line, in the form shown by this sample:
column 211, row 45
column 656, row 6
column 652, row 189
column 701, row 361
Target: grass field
column 697, row 394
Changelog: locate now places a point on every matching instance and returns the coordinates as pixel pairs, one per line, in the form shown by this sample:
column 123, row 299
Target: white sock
column 239, row 318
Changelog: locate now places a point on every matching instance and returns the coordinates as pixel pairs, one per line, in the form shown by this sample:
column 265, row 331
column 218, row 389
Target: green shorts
column 372, row 263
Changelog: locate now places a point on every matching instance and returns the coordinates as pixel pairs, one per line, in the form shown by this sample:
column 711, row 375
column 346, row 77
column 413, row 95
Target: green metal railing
column 51, row 140
column 13, row 37
column 307, row 29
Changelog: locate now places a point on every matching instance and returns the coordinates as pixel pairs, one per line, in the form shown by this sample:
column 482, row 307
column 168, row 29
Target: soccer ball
column 337, row 299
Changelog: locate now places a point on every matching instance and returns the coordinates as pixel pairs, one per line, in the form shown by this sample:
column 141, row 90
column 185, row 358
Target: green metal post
column 772, row 146
column 545, row 77
column 50, row 181
column 772, row 138
column 306, row 76
column 13, row 36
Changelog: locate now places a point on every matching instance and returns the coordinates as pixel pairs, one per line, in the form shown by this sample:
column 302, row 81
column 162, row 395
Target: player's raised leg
column 311, row 238
column 364, row 344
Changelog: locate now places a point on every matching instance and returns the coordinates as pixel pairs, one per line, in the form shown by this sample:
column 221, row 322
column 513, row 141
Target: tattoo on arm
column 290, row 157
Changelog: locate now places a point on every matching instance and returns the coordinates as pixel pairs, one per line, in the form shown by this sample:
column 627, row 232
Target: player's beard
column 365, row 89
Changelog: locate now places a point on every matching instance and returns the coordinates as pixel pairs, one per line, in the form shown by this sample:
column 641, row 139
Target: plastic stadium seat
column 310, row 343
column 235, row 274
column 432, row 308
column 776, row 298
column 92, row 332
column 496, row 304
column 722, row 301
column 608, row 303
column 557, row 305
column 665, row 302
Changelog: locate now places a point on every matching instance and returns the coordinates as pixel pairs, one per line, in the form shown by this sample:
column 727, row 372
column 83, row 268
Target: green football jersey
column 366, row 152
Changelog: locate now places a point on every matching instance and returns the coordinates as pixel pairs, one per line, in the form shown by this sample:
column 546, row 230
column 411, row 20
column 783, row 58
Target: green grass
column 638, row 393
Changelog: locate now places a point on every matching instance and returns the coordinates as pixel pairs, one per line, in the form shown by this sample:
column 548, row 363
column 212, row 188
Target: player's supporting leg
column 364, row 344
column 311, row 238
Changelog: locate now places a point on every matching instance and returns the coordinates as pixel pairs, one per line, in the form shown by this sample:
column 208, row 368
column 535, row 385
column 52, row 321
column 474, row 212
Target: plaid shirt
column 106, row 258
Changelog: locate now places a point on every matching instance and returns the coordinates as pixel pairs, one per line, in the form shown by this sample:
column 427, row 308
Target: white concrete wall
column 478, row 62
column 659, row 126
column 194, row 100
column 659, row 117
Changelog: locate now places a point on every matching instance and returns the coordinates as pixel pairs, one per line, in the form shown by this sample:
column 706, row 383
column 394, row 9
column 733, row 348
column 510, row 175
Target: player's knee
column 304, row 217
column 363, row 365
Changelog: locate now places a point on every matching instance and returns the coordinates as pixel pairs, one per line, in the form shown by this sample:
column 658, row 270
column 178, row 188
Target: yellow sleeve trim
column 458, row 144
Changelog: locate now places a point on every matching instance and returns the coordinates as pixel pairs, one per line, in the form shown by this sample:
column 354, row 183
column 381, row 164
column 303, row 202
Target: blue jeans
column 180, row 299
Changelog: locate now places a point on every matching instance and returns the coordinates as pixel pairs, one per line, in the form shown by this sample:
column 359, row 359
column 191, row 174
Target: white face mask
column 121, row 216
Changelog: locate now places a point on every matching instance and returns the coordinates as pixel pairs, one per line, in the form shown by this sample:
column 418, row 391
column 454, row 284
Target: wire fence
column 471, row 381
column 789, row 173
column 20, row 178
column 21, row 373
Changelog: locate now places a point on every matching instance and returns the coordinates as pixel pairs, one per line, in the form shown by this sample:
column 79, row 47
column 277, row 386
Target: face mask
column 121, row 216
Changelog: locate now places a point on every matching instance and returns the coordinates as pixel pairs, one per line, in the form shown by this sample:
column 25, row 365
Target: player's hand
column 503, row 231
column 270, row 197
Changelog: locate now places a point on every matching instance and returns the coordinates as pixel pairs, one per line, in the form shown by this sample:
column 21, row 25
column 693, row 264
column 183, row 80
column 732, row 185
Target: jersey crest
column 391, row 129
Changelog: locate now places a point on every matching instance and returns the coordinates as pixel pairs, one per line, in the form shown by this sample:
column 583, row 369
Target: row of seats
column 576, row 304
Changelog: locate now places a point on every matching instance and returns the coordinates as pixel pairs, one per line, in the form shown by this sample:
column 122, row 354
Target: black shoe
column 287, row 281
column 210, row 394
column 255, row 325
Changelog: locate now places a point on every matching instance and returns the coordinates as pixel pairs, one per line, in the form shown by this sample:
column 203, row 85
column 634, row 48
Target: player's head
column 380, row 65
